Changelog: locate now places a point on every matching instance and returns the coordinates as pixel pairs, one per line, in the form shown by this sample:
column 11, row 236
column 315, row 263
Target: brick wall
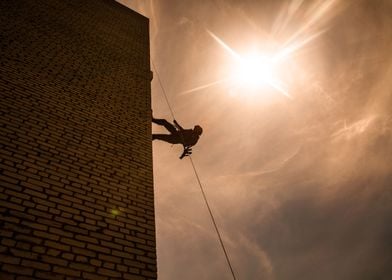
column 76, row 193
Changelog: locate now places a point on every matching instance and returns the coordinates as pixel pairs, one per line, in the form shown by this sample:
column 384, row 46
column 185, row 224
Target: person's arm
column 177, row 125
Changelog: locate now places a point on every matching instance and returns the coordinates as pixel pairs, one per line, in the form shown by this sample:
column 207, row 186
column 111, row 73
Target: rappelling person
column 178, row 135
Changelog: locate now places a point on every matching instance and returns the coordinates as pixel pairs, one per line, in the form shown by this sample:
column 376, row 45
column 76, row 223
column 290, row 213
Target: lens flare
column 115, row 212
column 253, row 71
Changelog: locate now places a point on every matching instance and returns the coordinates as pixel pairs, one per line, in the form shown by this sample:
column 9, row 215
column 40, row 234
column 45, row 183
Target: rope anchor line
column 200, row 184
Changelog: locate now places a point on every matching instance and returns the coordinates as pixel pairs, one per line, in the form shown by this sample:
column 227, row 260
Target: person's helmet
column 198, row 129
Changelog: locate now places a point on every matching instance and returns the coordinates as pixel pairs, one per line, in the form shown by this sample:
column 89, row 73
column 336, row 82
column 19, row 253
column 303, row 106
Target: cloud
column 301, row 189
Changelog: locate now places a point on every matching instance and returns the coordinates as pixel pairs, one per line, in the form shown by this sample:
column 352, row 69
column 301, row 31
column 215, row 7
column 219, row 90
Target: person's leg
column 171, row 128
column 165, row 137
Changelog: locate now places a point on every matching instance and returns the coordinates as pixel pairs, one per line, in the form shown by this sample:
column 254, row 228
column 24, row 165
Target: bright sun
column 257, row 73
column 253, row 71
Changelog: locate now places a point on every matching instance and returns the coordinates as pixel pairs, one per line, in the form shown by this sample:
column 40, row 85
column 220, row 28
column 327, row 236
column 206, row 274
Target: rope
column 200, row 184
column 213, row 220
column 163, row 90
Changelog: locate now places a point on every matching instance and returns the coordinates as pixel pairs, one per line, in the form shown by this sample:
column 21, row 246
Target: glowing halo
column 253, row 71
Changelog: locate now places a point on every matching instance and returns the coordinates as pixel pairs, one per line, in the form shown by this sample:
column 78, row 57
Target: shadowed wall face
column 76, row 193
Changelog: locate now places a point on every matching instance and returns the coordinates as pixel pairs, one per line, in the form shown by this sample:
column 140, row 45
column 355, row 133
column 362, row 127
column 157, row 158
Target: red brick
column 12, row 206
column 4, row 178
column 95, row 262
column 54, row 260
column 28, row 238
column 145, row 259
column 60, row 232
column 68, row 256
column 101, row 236
column 75, row 229
column 23, row 254
column 73, row 242
column 109, row 272
column 67, row 221
column 7, row 276
column 112, row 245
column 46, row 235
column 127, row 276
column 17, row 228
column 6, row 233
column 81, row 259
column 66, row 271
column 17, row 269
column 23, row 245
column 43, row 202
column 14, row 175
column 113, row 233
column 109, row 265
column 85, row 252
column 150, row 274
column 57, row 245
column 40, row 213
column 35, row 225
column 75, row 143
column 49, row 275
column 23, row 215
column 68, row 209
column 122, row 268
column 9, row 259
column 36, row 265
column 39, row 249
column 87, row 239
column 98, row 248
column 134, row 263
column 17, row 194
column 93, row 276
column 109, row 258
column 53, row 252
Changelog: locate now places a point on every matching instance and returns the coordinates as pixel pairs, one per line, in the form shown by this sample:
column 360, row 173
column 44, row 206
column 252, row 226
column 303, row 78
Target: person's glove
column 187, row 152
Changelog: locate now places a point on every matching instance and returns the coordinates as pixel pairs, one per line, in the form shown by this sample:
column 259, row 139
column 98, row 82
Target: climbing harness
column 188, row 153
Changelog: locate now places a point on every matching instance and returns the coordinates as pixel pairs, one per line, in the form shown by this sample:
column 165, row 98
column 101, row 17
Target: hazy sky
column 301, row 186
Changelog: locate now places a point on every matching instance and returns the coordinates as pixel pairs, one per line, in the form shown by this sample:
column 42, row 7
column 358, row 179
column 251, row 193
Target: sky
column 297, row 169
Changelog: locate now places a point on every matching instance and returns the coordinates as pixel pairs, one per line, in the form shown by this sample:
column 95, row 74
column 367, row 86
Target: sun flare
column 253, row 71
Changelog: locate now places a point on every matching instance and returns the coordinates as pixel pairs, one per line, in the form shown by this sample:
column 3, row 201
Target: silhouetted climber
column 178, row 135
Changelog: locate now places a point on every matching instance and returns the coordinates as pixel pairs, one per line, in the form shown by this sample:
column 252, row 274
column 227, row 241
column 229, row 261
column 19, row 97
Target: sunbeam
column 320, row 11
column 204, row 86
column 295, row 46
column 224, row 45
